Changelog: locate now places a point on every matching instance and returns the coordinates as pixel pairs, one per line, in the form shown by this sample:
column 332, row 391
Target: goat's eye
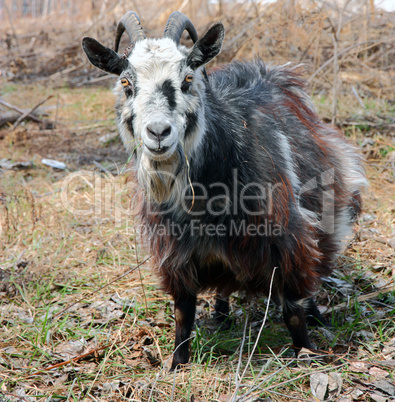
column 127, row 86
column 186, row 84
column 125, row 82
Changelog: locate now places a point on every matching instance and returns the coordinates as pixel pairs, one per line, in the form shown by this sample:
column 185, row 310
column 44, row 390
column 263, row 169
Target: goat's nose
column 158, row 130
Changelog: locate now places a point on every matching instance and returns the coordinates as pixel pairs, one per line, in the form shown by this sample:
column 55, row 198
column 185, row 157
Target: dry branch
column 31, row 111
column 75, row 359
column 369, row 296
column 8, row 117
column 20, row 111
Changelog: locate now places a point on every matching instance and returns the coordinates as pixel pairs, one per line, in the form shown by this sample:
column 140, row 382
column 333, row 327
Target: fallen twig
column 372, row 295
column 8, row 117
column 75, row 359
column 21, row 111
column 24, row 115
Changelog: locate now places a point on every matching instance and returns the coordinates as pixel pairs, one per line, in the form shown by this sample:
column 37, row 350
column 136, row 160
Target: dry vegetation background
column 78, row 320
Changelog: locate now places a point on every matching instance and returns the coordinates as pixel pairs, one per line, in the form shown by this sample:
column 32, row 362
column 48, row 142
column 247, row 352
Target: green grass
column 384, row 151
column 51, row 259
column 67, row 262
column 8, row 88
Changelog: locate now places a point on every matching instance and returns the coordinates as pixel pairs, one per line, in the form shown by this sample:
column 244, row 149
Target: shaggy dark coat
column 242, row 181
column 248, row 109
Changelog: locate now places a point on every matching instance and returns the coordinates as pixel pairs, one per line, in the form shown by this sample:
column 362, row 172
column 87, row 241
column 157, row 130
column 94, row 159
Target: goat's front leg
column 184, row 312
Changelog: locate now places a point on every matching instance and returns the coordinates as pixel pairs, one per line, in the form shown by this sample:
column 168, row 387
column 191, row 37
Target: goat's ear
column 207, row 47
column 103, row 57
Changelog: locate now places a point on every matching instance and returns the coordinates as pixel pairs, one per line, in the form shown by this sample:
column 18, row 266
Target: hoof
column 177, row 366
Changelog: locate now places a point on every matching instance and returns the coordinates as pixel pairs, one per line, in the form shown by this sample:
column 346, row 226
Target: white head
column 161, row 88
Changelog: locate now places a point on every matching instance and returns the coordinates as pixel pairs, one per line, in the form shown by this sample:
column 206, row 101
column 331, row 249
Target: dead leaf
column 135, row 355
column 110, row 387
column 378, row 373
column 385, row 386
column 328, row 334
column 122, row 301
column 356, row 394
column 345, row 399
column 9, row 350
column 342, row 286
column 22, row 393
column 107, row 309
column 61, row 380
column 24, row 317
column 335, row 383
column 71, row 349
column 319, row 385
column 304, row 358
column 359, row 367
column 151, row 355
column 133, row 362
column 162, row 324
column 388, row 350
column 365, row 335
column 378, row 397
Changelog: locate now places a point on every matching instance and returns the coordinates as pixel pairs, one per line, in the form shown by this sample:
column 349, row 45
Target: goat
column 239, row 174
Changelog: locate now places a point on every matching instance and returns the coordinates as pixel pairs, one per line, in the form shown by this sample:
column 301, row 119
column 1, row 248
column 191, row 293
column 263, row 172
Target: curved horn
column 177, row 24
column 130, row 23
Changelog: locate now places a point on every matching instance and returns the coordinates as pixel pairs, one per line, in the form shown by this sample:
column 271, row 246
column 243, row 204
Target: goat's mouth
column 159, row 152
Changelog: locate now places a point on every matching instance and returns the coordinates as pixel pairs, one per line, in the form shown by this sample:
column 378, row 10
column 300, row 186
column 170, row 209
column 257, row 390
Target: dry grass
column 115, row 343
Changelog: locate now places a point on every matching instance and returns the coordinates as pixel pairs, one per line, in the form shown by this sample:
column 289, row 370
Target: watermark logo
column 216, row 209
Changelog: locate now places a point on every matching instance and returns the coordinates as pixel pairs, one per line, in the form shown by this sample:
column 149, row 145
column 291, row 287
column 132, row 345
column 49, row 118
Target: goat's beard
column 160, row 179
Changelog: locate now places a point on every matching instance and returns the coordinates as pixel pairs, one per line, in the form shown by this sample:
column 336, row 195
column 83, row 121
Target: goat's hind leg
column 221, row 312
column 313, row 315
column 296, row 321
